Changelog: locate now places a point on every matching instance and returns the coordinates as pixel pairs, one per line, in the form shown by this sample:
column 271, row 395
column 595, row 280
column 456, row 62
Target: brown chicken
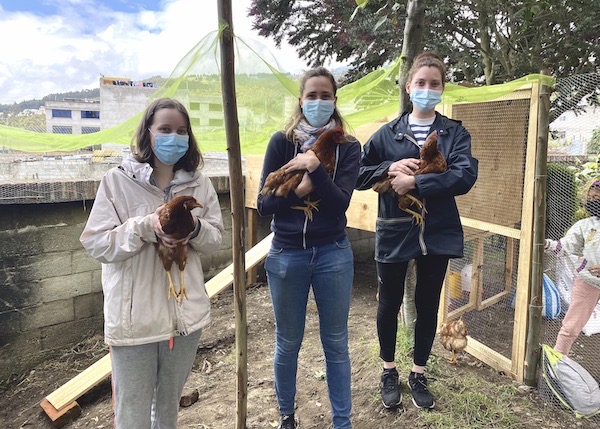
column 432, row 161
column 177, row 221
column 453, row 335
column 281, row 184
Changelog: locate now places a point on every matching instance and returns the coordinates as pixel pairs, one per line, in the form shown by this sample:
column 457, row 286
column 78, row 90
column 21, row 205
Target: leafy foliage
column 594, row 144
column 561, row 200
column 321, row 30
column 487, row 41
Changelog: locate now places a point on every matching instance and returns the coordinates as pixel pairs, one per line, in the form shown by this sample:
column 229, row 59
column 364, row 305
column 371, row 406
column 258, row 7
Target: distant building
column 72, row 116
column 573, row 131
column 120, row 99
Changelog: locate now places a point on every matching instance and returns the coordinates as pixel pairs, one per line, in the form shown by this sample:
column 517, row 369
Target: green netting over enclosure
column 265, row 99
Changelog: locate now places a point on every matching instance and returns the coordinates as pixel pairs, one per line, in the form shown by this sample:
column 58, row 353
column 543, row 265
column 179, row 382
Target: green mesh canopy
column 265, row 100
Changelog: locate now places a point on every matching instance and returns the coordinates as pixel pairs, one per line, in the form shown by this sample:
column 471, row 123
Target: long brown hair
column 297, row 115
column 141, row 143
column 427, row 59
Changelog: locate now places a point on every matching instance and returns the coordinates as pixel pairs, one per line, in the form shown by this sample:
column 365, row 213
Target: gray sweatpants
column 147, row 382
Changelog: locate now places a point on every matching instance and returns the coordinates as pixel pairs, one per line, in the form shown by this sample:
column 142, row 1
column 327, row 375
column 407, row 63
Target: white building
column 574, row 131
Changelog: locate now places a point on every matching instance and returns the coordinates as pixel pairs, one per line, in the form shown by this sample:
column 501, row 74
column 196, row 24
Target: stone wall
column 50, row 288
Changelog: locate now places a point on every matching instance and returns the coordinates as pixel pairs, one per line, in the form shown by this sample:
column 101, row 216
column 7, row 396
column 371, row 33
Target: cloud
column 69, row 47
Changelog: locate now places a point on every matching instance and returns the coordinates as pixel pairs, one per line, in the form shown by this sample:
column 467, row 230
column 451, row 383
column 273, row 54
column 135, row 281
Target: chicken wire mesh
column 480, row 287
column 572, row 167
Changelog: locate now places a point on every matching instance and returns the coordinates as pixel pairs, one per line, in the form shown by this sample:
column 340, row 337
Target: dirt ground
column 214, row 377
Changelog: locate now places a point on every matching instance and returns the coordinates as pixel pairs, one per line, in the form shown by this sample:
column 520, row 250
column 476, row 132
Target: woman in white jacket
column 582, row 239
column 153, row 339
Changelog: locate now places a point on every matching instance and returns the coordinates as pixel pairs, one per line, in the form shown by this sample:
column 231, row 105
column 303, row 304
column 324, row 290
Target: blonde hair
column 297, row 115
column 427, row 59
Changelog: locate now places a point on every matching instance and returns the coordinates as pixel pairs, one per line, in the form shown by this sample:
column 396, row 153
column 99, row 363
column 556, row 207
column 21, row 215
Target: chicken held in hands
column 453, row 335
column 432, row 161
column 177, row 221
column 280, row 183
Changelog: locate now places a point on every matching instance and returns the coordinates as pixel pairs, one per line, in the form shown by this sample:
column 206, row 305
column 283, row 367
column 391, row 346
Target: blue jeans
column 330, row 271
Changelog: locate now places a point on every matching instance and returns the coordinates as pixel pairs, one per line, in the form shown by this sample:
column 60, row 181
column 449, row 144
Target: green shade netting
column 265, row 100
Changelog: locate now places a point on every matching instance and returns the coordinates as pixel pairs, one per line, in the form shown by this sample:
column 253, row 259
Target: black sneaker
column 390, row 391
column 418, row 387
column 287, row 421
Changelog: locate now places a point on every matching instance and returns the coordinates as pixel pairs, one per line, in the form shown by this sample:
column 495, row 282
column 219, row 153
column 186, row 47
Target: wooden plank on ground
column 58, row 404
column 80, row 384
column 489, row 356
column 253, row 257
column 61, row 418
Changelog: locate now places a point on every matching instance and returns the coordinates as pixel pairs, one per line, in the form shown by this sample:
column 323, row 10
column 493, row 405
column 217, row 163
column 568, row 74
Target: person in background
column 582, row 239
column 153, row 339
column 310, row 249
column 393, row 151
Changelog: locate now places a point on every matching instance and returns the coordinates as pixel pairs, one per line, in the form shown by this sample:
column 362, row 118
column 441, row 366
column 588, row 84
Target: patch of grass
column 464, row 401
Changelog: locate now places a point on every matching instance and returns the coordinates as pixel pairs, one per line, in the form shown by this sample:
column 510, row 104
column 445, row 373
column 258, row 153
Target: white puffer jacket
column 582, row 239
column 119, row 234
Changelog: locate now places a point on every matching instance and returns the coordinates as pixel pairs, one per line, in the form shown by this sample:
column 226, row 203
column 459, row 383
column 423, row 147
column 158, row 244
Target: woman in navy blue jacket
column 310, row 247
column 394, row 151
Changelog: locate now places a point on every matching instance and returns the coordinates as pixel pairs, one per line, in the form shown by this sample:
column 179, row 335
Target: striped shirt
column 420, row 128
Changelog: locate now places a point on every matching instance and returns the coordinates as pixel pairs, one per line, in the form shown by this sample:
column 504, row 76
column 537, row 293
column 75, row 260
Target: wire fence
column 572, row 167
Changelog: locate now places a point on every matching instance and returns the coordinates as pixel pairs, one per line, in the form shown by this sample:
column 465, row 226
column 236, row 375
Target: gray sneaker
column 390, row 391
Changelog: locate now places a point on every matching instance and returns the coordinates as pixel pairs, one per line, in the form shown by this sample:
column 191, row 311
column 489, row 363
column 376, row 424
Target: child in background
column 582, row 239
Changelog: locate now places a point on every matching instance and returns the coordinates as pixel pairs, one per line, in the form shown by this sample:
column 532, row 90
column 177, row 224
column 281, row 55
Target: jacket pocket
column 396, row 239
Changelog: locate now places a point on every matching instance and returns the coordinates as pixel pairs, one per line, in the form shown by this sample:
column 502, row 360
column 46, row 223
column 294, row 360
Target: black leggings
column 431, row 270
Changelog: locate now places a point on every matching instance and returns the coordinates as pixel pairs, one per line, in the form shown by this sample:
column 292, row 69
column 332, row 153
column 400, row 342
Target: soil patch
column 214, row 376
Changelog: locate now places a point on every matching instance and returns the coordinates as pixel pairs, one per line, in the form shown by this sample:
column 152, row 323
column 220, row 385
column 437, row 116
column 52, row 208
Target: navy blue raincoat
column 398, row 238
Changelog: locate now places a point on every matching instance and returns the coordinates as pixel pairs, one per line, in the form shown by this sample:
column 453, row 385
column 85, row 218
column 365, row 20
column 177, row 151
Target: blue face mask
column 318, row 112
column 170, row 148
column 425, row 100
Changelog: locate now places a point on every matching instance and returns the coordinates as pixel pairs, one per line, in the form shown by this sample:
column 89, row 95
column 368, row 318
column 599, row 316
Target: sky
column 49, row 46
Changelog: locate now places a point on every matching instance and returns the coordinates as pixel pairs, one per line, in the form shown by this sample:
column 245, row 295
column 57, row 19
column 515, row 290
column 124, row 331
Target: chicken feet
column 310, row 206
column 182, row 292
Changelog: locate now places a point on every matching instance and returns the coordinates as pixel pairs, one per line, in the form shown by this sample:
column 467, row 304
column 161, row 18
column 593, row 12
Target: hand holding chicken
column 174, row 223
column 431, row 161
column 294, row 174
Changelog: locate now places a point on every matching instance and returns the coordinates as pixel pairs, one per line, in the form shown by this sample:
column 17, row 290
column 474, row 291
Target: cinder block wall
column 50, row 288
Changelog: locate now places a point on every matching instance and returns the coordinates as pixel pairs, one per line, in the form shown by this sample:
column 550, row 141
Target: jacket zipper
column 304, row 228
column 412, row 140
column 422, row 232
column 422, row 227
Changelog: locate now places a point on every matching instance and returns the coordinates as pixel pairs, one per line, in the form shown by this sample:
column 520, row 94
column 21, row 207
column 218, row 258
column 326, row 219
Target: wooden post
column 523, row 293
column 252, row 232
column 237, row 206
column 532, row 351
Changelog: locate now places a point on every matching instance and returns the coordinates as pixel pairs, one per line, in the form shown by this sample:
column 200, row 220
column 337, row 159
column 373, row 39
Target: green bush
column 562, row 201
column 594, row 144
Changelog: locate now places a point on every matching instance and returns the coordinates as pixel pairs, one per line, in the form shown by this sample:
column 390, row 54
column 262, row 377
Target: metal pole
column 532, row 351
column 237, row 206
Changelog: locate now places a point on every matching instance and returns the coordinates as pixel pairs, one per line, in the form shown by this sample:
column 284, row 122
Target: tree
column 483, row 41
column 32, row 122
column 411, row 46
column 594, row 144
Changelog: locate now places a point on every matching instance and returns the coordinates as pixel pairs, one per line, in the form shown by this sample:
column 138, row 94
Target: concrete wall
column 50, row 288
